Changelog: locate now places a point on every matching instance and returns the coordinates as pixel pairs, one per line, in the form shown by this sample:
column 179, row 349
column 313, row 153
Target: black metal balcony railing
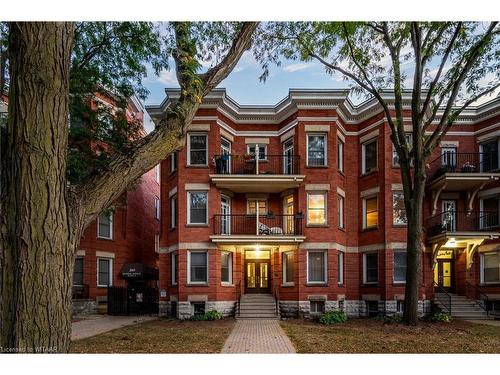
column 463, row 162
column 267, row 225
column 461, row 221
column 249, row 164
column 80, row 291
column 3, row 118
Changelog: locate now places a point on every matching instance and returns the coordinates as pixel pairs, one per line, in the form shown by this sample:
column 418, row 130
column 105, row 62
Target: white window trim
column 189, row 207
column 364, row 211
column 256, row 205
column 365, row 268
column 340, row 280
column 158, row 173
column 110, row 272
column 189, row 149
column 481, row 268
column 157, row 208
column 230, row 282
column 258, row 145
column 325, row 261
column 340, row 155
column 363, row 154
column 341, row 211
column 394, row 281
column 173, row 213
column 173, row 265
column 189, row 267
column 284, row 282
column 325, row 193
column 393, row 217
column 110, row 228
column 325, row 161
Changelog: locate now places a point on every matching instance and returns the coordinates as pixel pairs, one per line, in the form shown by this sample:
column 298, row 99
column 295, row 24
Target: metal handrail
column 463, row 162
column 442, row 290
column 249, row 164
column 276, row 295
column 483, row 300
column 238, row 299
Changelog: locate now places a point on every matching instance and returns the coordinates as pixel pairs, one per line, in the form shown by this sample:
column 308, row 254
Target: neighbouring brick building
column 303, row 201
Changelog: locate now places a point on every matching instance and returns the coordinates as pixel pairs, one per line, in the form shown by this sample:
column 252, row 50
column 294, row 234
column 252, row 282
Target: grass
column 160, row 336
column 374, row 336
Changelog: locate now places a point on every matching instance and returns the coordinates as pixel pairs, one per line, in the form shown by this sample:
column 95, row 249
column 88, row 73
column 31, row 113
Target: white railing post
column 257, row 216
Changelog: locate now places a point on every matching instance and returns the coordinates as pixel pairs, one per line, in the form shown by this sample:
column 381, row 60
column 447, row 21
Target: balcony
column 270, row 228
column 250, row 174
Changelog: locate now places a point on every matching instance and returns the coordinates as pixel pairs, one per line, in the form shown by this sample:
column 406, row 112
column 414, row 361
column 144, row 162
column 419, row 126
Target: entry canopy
column 138, row 271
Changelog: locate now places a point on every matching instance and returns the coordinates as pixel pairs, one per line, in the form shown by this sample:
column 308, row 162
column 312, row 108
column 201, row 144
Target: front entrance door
column 257, row 276
column 443, row 274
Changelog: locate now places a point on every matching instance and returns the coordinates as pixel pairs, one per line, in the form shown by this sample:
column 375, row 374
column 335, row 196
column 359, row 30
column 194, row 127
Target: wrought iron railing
column 462, row 221
column 80, row 291
column 261, row 225
column 238, row 299
column 443, row 297
column 248, row 164
column 463, row 162
column 481, row 298
column 276, row 294
column 3, row 118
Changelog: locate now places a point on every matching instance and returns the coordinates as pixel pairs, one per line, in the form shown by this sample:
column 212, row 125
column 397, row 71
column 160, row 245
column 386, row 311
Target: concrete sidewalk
column 96, row 324
column 258, row 336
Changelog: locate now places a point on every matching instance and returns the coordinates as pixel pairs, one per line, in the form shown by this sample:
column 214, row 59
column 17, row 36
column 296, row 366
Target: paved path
column 96, row 324
column 258, row 336
column 488, row 322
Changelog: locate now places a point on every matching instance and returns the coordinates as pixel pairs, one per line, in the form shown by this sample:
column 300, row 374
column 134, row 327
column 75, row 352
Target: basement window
column 372, row 308
column 198, row 308
column 317, row 307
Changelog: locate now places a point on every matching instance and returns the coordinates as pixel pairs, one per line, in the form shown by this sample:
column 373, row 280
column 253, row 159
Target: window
column 226, row 267
column 105, row 226
column 316, row 150
column 198, row 267
column 341, row 211
column 449, row 157
column 399, row 267
column 316, row 267
column 340, row 268
column 340, row 155
column 158, row 173
column 409, row 144
column 173, row 211
column 260, row 149
column 252, row 206
column 370, row 212
column 489, row 156
column 157, row 208
column 489, row 213
column 173, row 161
column 370, row 268
column 174, row 268
column 197, row 149
column 198, row 308
column 78, row 271
column 369, row 156
column 316, row 208
column 157, row 243
column 490, row 268
column 372, row 308
column 288, row 267
column 104, row 272
column 398, row 209
column 400, row 306
column 317, row 307
column 197, row 212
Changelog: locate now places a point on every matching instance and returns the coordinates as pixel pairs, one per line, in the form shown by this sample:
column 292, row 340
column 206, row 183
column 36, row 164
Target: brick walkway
column 258, row 336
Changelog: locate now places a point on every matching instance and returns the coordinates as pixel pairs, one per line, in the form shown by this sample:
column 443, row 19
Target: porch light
column 451, row 243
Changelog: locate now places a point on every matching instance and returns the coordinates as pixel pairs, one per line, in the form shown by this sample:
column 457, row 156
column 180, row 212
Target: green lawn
column 374, row 336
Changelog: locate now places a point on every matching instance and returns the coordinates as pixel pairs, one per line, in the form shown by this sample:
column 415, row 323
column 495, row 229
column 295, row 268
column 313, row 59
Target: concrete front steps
column 461, row 307
column 257, row 306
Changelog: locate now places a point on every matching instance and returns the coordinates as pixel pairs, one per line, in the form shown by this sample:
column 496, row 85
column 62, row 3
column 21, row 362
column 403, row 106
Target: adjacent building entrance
column 444, row 270
column 257, row 271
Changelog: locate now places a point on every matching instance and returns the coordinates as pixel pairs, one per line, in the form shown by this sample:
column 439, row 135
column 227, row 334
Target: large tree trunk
column 37, row 251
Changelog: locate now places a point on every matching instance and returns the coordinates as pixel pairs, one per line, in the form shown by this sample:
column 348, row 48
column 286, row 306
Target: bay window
column 197, row 207
column 316, row 267
column 288, row 267
column 370, row 268
column 197, row 267
column 316, row 208
column 316, row 150
column 197, row 149
column 490, row 268
column 398, row 209
column 399, row 266
column 369, row 156
column 226, row 259
column 370, row 212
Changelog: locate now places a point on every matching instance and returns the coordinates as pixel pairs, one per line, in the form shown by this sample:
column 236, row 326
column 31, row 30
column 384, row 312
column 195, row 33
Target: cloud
column 296, row 67
column 167, row 77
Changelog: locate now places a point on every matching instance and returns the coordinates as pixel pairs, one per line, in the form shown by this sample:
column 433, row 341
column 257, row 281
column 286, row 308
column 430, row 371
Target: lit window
column 104, row 272
column 226, row 267
column 399, row 266
column 316, row 150
column 370, row 268
column 197, row 149
column 370, row 212
column 252, row 206
column 316, row 267
column 198, row 267
column 197, row 213
column 316, row 208
column 105, row 226
column 369, row 156
column 398, row 209
column 288, row 267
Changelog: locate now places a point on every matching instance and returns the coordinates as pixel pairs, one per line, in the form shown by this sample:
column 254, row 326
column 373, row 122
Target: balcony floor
column 462, row 181
column 260, row 183
column 252, row 239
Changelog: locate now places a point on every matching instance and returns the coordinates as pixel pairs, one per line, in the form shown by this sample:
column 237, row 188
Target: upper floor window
column 198, row 267
column 341, row 211
column 226, row 260
column 105, row 226
column 340, row 277
column 409, row 144
column 158, row 173
column 316, row 150
column 173, row 211
column 370, row 268
column 398, row 209
column 104, row 271
column 197, row 149
column 157, row 208
column 369, row 156
column 449, row 156
column 252, row 206
column 174, row 267
column 288, row 267
column 370, row 212
column 399, row 266
column 157, row 243
column 490, row 267
column 258, row 149
column 78, row 271
column 340, row 155
column 489, row 156
column 197, row 210
column 173, row 161
column 316, row 208
column 316, row 267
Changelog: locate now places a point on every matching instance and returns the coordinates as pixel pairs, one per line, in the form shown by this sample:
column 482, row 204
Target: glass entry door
column 257, row 276
column 288, row 157
column 443, row 274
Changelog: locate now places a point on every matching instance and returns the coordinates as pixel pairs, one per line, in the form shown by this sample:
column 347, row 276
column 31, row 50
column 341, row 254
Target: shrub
column 441, row 317
column 395, row 318
column 213, row 315
column 333, row 317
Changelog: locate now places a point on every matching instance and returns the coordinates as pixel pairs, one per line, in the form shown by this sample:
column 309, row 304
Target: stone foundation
column 185, row 308
column 84, row 307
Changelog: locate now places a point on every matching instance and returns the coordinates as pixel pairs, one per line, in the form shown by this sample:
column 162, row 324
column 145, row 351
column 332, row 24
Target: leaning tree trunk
column 414, row 208
column 37, row 248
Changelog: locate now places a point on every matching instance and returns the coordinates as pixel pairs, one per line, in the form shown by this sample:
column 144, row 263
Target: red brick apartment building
column 302, row 201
